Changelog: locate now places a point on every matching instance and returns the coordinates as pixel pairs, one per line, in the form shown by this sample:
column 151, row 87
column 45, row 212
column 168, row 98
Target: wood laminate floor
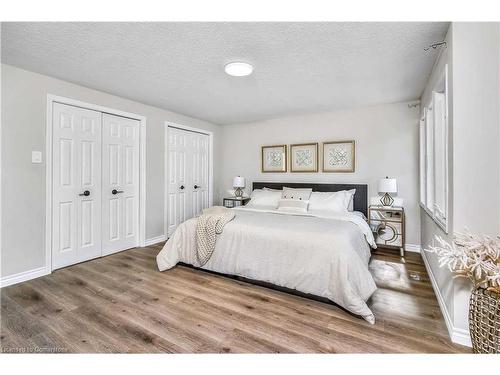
column 121, row 303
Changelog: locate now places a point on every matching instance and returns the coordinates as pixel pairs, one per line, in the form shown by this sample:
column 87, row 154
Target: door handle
column 86, row 193
column 196, row 186
column 114, row 191
column 182, row 187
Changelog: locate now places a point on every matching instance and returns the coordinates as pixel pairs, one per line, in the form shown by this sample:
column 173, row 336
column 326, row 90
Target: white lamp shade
column 387, row 185
column 239, row 182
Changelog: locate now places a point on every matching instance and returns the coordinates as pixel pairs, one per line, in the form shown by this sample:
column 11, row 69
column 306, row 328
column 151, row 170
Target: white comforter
column 322, row 255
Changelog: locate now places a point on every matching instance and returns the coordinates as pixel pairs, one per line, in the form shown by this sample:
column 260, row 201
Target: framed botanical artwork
column 339, row 156
column 304, row 157
column 274, row 159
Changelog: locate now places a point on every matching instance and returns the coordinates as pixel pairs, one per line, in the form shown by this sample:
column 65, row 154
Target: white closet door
column 199, row 160
column 178, row 200
column 187, row 176
column 76, row 185
column 120, row 183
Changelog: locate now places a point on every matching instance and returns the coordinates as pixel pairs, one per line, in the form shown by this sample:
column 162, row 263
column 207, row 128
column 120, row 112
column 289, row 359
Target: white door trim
column 48, row 168
column 210, row 134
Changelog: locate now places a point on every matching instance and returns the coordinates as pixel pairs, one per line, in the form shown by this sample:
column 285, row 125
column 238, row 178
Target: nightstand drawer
column 229, row 203
column 374, row 224
column 387, row 233
column 386, row 215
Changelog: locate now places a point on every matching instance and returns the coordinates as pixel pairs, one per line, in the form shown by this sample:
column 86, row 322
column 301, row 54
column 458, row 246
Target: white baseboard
column 461, row 336
column 23, row 276
column 155, row 240
column 457, row 335
column 413, row 248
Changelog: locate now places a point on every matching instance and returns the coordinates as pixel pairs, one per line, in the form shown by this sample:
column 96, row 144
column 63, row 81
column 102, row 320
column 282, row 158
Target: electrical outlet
column 36, row 157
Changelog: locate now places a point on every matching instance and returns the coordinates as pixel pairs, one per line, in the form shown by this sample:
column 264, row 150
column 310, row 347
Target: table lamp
column 387, row 185
column 238, row 184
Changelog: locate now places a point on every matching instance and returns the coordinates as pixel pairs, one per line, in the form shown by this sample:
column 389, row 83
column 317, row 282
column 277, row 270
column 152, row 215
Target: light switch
column 36, row 157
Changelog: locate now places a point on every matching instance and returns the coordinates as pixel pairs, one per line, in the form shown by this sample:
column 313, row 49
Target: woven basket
column 484, row 321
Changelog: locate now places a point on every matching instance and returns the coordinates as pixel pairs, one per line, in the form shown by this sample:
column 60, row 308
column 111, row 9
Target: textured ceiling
column 299, row 67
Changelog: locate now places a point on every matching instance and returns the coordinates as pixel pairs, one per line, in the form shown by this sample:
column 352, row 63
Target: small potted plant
column 478, row 259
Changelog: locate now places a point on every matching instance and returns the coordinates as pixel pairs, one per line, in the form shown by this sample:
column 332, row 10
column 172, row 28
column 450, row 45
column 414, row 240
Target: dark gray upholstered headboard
column 360, row 202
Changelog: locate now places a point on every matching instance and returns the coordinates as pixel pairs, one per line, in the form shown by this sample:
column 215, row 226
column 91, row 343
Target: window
column 440, row 158
column 429, row 157
column 423, row 187
column 434, row 153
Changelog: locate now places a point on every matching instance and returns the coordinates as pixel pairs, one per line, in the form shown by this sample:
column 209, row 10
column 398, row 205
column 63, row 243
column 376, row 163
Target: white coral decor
column 472, row 256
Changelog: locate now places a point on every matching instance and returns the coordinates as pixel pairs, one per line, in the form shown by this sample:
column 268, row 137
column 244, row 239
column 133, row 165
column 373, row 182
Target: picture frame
column 304, row 158
column 339, row 156
column 274, row 159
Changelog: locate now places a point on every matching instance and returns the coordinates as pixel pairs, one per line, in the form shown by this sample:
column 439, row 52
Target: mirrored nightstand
column 234, row 202
column 388, row 226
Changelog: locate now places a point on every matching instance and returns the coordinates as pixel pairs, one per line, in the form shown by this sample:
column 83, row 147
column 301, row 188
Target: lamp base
column 387, row 200
column 238, row 192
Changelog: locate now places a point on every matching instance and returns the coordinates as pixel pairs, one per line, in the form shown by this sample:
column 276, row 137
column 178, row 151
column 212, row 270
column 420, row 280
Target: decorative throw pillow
column 298, row 194
column 265, row 199
column 293, row 205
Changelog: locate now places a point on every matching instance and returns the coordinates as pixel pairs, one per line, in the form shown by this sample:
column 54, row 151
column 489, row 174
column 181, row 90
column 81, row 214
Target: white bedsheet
column 322, row 255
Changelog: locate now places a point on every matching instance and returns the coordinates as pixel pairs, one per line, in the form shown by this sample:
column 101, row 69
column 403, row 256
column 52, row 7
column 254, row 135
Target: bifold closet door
column 120, row 183
column 177, row 182
column 187, row 176
column 198, row 146
column 76, row 185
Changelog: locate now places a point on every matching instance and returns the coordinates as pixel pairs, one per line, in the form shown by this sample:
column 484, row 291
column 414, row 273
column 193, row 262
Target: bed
column 324, row 256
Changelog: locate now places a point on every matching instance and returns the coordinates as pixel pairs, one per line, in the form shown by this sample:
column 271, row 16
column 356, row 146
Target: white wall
column 386, row 145
column 476, row 138
column 473, row 53
column 429, row 229
column 24, row 101
column 476, row 132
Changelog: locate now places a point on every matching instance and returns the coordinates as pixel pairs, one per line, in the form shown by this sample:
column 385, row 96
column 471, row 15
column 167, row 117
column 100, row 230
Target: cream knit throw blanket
column 209, row 224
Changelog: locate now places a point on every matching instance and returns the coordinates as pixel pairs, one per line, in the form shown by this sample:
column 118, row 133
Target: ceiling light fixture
column 238, row 69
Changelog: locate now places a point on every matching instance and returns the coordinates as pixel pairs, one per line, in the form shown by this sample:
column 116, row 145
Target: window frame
column 433, row 135
column 422, row 159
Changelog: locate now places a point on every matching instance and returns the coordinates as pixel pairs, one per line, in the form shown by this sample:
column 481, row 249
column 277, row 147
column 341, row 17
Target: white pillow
column 360, row 214
column 293, row 205
column 268, row 199
column 269, row 189
column 350, row 208
column 299, row 194
column 336, row 202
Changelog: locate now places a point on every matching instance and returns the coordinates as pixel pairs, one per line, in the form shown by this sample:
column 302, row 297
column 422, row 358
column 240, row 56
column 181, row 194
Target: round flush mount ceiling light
column 238, row 69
